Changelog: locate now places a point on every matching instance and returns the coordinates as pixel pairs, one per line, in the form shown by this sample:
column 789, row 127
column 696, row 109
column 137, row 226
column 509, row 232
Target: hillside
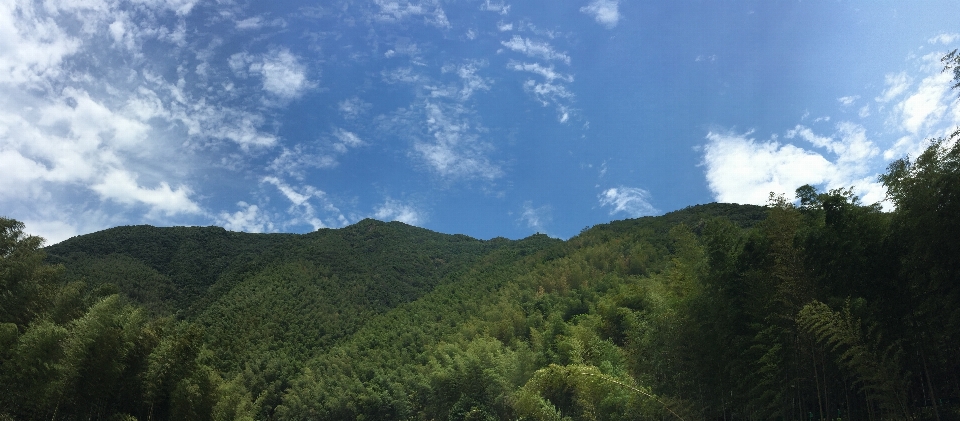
column 824, row 307
column 183, row 269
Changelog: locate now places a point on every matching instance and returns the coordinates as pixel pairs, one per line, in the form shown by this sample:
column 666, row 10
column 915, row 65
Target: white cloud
column 302, row 210
column 604, row 11
column 32, row 46
column 239, row 62
column 535, row 49
column 283, row 74
column 504, row 26
column 471, row 81
column 250, row 23
column 181, row 7
column 89, row 122
column 404, row 47
column 633, row 201
column 442, row 128
column 403, row 75
column 852, row 149
column 346, row 140
column 73, row 140
column 925, row 105
column 204, row 120
column 550, row 91
column 453, row 149
column 395, row 11
column 250, row 218
column 741, row 170
column 121, row 186
column 352, row 108
column 547, row 92
column 501, row 8
column 896, row 85
column 848, row 100
column 393, row 210
column 536, row 218
column 944, row 38
column 548, row 72
column 53, row 231
column 928, row 109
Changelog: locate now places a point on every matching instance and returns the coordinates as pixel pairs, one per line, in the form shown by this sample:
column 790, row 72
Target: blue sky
column 476, row 117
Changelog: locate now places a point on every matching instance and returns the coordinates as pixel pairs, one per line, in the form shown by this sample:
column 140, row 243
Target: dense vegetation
column 822, row 307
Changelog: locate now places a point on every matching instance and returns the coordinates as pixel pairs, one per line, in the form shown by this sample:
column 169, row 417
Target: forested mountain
column 820, row 307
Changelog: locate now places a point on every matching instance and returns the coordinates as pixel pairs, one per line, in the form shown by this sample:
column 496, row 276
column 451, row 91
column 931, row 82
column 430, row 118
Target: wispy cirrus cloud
column 302, row 210
column 551, row 91
column 897, row 84
column 297, row 159
column 501, row 8
column 443, row 129
column 354, row 107
column 848, row 100
column 535, row 49
column 632, row 201
column 397, row 10
column 537, row 218
column 548, row 72
column 452, row 148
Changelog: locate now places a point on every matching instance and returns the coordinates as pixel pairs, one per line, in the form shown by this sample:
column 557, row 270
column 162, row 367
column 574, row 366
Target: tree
column 26, row 283
column 925, row 229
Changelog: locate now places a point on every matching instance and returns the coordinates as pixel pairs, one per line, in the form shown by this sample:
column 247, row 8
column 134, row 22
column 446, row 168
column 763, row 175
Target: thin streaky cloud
column 547, row 72
column 537, row 218
column 897, row 83
column 501, row 8
column 632, row 201
column 532, row 48
column 848, row 100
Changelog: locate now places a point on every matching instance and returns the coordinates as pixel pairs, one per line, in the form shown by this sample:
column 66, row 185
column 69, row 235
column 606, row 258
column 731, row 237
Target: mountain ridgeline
column 822, row 307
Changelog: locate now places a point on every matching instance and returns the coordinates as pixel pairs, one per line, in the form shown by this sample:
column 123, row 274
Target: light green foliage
column 583, row 392
column 234, row 402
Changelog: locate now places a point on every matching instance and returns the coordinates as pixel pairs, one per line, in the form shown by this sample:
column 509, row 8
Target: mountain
column 270, row 302
column 827, row 307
